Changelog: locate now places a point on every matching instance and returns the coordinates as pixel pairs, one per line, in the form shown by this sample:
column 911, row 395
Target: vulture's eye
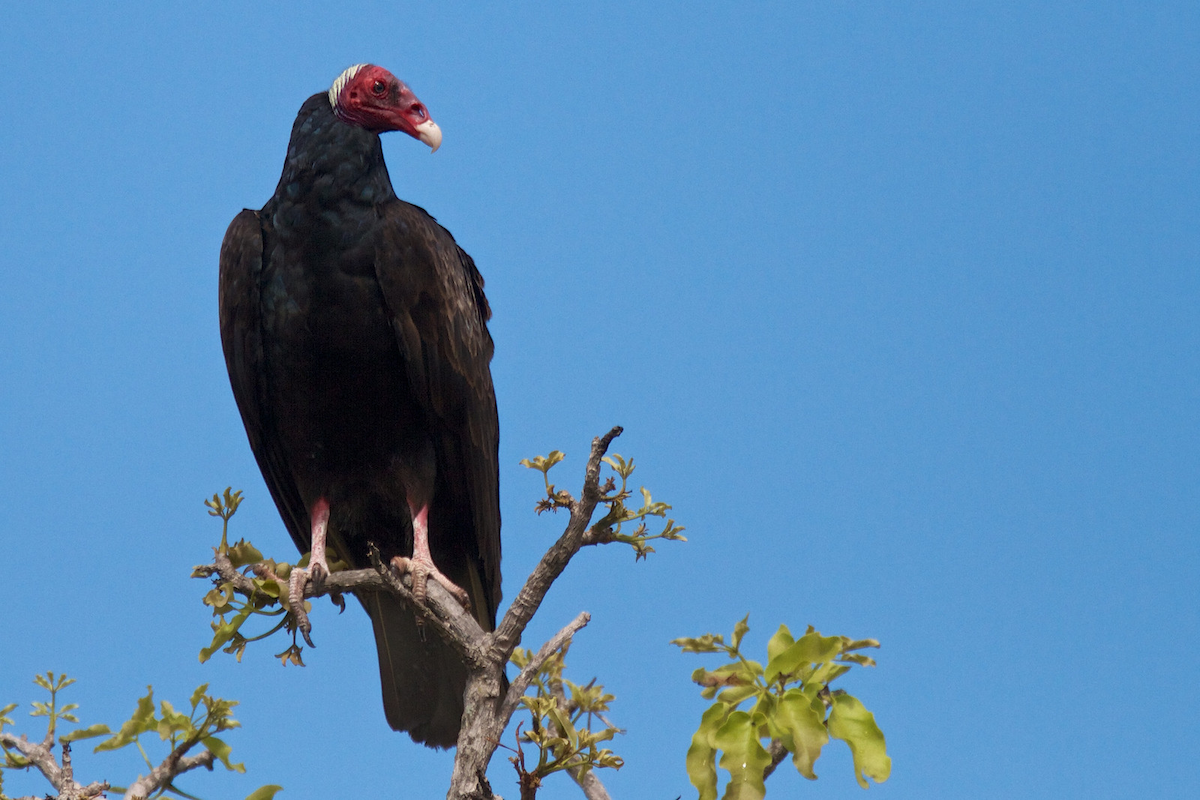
column 379, row 87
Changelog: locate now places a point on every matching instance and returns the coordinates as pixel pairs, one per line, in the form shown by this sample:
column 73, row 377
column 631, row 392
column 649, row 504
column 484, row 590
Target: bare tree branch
column 590, row 783
column 487, row 714
column 778, row 753
column 516, row 689
column 453, row 622
column 38, row 755
column 174, row 765
column 527, row 601
column 62, row 778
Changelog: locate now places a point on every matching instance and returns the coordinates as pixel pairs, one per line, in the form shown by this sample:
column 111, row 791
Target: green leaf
column 801, row 728
column 543, row 463
column 244, row 553
column 701, row 756
column 520, row 657
column 173, row 721
column 851, row 722
column 859, row 644
column 221, row 750
column 835, row 671
column 740, row 631
column 764, row 708
column 737, row 694
column 734, row 674
column 222, row 633
column 743, row 756
column 270, row 588
column 811, row 648
column 220, row 598
column 620, row 465
column 708, row 643
column 565, row 728
column 264, row 792
column 141, row 722
column 85, row 733
column 198, row 694
column 781, row 641
column 857, row 658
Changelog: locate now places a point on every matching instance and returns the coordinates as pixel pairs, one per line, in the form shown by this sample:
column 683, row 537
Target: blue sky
column 899, row 307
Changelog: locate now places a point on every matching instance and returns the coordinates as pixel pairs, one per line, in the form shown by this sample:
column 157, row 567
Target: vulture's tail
column 423, row 678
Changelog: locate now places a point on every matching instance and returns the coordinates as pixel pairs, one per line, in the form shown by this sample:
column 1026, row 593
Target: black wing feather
column 435, row 296
column 241, row 339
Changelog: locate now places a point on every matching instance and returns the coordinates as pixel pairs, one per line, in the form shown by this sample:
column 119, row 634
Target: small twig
column 443, row 613
column 778, row 753
column 174, row 765
column 68, row 771
column 516, row 689
column 529, row 599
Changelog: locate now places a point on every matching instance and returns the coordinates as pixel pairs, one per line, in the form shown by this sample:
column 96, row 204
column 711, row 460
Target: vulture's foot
column 297, row 582
column 315, row 573
column 422, row 569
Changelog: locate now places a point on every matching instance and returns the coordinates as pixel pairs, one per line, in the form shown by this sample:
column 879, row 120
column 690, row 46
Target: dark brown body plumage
column 354, row 330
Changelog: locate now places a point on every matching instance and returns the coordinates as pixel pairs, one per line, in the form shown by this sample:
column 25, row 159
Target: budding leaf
column 740, row 630
column 244, row 553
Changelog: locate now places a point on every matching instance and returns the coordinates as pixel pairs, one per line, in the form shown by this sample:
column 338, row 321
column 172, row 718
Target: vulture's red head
column 373, row 98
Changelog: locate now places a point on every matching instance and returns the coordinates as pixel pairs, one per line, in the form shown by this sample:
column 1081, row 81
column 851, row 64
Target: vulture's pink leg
column 316, row 571
column 421, row 564
column 317, row 564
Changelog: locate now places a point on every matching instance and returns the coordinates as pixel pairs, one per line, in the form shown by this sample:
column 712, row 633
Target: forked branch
column 487, row 711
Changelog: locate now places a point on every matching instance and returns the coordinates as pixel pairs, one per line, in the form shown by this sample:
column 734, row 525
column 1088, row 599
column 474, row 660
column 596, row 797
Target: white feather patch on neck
column 335, row 91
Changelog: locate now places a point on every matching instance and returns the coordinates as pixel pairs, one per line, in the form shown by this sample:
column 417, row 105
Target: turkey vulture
column 354, row 331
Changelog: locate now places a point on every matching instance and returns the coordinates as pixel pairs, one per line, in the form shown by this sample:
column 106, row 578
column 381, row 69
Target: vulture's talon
column 296, row 582
column 318, row 572
column 422, row 570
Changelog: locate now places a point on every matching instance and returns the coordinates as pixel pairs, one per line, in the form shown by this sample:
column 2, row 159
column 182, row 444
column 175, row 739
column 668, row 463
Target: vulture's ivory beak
column 429, row 133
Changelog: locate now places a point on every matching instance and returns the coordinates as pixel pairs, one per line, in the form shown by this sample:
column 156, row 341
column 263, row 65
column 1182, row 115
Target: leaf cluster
column 563, row 720
column 207, row 716
column 232, row 607
column 793, row 707
column 224, row 507
column 554, row 499
column 611, row 527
